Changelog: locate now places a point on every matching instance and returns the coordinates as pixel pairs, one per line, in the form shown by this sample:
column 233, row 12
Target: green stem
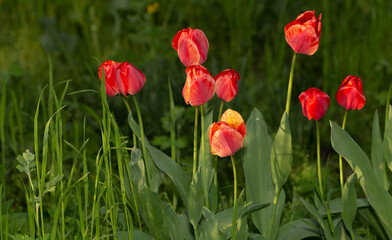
column 319, row 162
column 271, row 224
column 288, row 100
column 203, row 157
column 320, row 182
column 129, row 111
column 340, row 156
column 195, row 142
column 388, row 99
column 233, row 223
column 143, row 141
column 220, row 110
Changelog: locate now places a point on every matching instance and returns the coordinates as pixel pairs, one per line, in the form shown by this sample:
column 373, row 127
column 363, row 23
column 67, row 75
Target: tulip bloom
column 227, row 136
column 199, row 86
column 350, row 93
column 121, row 78
column 303, row 34
column 227, row 84
column 191, row 46
column 314, row 103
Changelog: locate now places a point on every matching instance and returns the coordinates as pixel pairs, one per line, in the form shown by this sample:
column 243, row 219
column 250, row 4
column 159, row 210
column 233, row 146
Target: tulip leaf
column 388, row 139
column 298, row 229
column 335, row 205
column 378, row 154
column 172, row 220
column 281, row 153
column 349, row 202
column 154, row 214
column 137, row 170
column 378, row 198
column 195, row 199
column 207, row 170
column 312, row 210
column 257, row 169
column 167, row 165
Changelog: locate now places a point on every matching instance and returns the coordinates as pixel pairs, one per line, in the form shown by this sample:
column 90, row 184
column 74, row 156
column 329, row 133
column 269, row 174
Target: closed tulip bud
column 303, row 34
column 191, row 46
column 227, row 136
column 111, row 70
column 314, row 103
column 121, row 78
column 199, row 86
column 350, row 93
column 226, row 84
column 132, row 79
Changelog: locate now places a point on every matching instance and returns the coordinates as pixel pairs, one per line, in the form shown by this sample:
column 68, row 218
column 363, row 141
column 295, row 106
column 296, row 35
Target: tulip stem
column 233, row 223
column 319, row 161
column 220, row 110
column 320, row 183
column 195, row 143
column 288, row 100
column 340, row 156
column 129, row 111
column 388, row 100
column 203, row 157
column 143, row 141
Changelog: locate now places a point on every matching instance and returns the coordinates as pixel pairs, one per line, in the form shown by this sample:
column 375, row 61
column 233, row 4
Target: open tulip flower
column 314, row 103
column 303, row 34
column 199, row 86
column 191, row 46
column 121, row 78
column 227, row 136
column 226, row 84
column 350, row 93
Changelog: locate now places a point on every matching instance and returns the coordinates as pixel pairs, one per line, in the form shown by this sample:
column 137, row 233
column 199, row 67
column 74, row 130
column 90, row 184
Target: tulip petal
column 226, row 141
column 234, row 120
column 350, row 93
column 188, row 52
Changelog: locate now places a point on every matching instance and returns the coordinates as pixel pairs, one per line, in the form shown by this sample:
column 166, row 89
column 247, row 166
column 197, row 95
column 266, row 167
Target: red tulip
column 303, row 34
column 227, row 136
column 350, row 93
column 191, row 46
column 314, row 103
column 227, row 84
column 110, row 68
column 121, row 78
column 199, row 86
column 132, row 79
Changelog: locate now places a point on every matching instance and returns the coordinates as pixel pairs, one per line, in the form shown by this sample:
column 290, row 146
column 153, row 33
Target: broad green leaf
column 154, row 214
column 388, row 139
column 209, row 229
column 370, row 218
column 278, row 214
column 195, row 199
column 257, row 169
column 340, row 232
column 349, row 202
column 137, row 171
column 378, row 154
column 335, row 205
column 312, row 210
column 186, row 228
column 172, row 220
column 207, row 171
column 167, row 165
column 281, row 153
column 378, row 198
column 298, row 229
column 242, row 228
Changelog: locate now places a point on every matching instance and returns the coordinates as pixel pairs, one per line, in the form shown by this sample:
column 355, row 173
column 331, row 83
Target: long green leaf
column 298, row 229
column 257, row 169
column 349, row 202
column 167, row 165
column 207, row 171
column 154, row 214
column 195, row 199
column 378, row 154
column 312, row 210
column 281, row 154
column 388, row 139
column 173, row 222
column 380, row 200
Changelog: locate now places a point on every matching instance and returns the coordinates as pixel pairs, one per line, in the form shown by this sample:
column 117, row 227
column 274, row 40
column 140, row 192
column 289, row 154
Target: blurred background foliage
column 248, row 36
